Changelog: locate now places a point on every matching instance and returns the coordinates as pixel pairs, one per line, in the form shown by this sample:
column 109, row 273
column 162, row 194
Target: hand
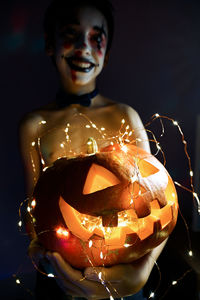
column 122, row 280
column 37, row 254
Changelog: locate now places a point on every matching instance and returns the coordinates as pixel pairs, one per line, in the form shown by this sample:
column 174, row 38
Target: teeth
column 81, row 64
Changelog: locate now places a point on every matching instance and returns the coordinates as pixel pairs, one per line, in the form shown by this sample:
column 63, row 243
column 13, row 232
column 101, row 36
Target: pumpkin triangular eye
column 99, row 178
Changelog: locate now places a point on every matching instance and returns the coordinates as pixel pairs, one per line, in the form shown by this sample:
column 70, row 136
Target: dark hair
column 58, row 10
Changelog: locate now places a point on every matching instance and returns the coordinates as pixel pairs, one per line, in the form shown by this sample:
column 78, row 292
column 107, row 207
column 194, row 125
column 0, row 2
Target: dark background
column 154, row 67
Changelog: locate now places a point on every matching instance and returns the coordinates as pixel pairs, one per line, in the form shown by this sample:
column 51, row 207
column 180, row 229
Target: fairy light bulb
column 152, row 294
column 124, row 148
column 100, row 275
column 33, row 203
column 190, row 253
column 121, row 138
column 20, row 223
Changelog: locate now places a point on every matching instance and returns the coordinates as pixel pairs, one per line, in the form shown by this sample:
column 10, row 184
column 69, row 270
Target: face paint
column 82, row 46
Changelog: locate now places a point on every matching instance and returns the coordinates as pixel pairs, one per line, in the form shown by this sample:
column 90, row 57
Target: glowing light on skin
column 174, row 282
column 63, row 232
column 90, row 243
column 43, row 122
column 50, row 275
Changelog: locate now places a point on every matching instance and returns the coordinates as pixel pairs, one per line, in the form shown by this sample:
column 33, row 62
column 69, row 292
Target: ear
column 106, row 58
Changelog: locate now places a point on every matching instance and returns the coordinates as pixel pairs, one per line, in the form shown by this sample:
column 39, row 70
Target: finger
column 66, row 277
column 36, row 251
column 64, row 268
column 73, row 279
column 110, row 274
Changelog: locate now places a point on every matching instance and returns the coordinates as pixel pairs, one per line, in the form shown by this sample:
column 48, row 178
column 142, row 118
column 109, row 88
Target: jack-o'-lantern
column 106, row 208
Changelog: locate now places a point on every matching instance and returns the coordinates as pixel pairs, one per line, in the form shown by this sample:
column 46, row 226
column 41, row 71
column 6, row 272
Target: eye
column 97, row 38
column 69, row 33
column 99, row 178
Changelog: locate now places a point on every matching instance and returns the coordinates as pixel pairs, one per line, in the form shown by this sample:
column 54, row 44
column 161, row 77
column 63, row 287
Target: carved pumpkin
column 107, row 208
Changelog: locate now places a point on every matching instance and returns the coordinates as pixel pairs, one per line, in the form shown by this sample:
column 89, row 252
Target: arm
column 31, row 160
column 138, row 127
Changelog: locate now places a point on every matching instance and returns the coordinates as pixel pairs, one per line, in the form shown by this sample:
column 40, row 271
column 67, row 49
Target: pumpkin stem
column 91, row 145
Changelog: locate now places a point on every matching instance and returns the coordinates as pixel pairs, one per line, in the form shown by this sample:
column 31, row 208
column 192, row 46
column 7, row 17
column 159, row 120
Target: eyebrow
column 74, row 21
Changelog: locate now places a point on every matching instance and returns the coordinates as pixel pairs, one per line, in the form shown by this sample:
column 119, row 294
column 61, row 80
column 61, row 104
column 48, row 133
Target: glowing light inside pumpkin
column 109, row 230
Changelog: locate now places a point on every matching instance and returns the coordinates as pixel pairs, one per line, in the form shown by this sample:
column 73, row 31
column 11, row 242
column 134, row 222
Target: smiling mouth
column 80, row 65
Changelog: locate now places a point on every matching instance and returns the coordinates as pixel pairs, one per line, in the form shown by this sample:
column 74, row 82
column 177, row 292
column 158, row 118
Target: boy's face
column 80, row 47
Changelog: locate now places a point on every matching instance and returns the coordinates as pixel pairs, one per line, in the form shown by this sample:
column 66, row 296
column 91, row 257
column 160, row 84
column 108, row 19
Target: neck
column 77, row 89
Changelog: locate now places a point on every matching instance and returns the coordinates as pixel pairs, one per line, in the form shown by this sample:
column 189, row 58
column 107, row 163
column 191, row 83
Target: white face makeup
column 80, row 48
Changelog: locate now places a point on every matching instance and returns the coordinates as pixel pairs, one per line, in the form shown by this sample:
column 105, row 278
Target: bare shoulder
column 129, row 114
column 28, row 125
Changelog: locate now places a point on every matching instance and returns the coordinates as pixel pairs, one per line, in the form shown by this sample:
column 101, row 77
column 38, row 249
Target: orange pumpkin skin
column 61, row 203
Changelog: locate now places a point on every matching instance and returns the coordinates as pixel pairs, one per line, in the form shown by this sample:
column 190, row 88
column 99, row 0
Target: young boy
column 78, row 36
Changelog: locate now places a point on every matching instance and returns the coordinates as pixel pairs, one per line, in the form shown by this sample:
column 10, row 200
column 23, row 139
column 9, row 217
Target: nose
column 83, row 44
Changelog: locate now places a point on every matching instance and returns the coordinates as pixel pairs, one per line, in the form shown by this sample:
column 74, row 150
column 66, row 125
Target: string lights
column 125, row 135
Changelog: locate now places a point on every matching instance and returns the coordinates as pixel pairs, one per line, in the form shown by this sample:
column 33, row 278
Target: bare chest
column 67, row 134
